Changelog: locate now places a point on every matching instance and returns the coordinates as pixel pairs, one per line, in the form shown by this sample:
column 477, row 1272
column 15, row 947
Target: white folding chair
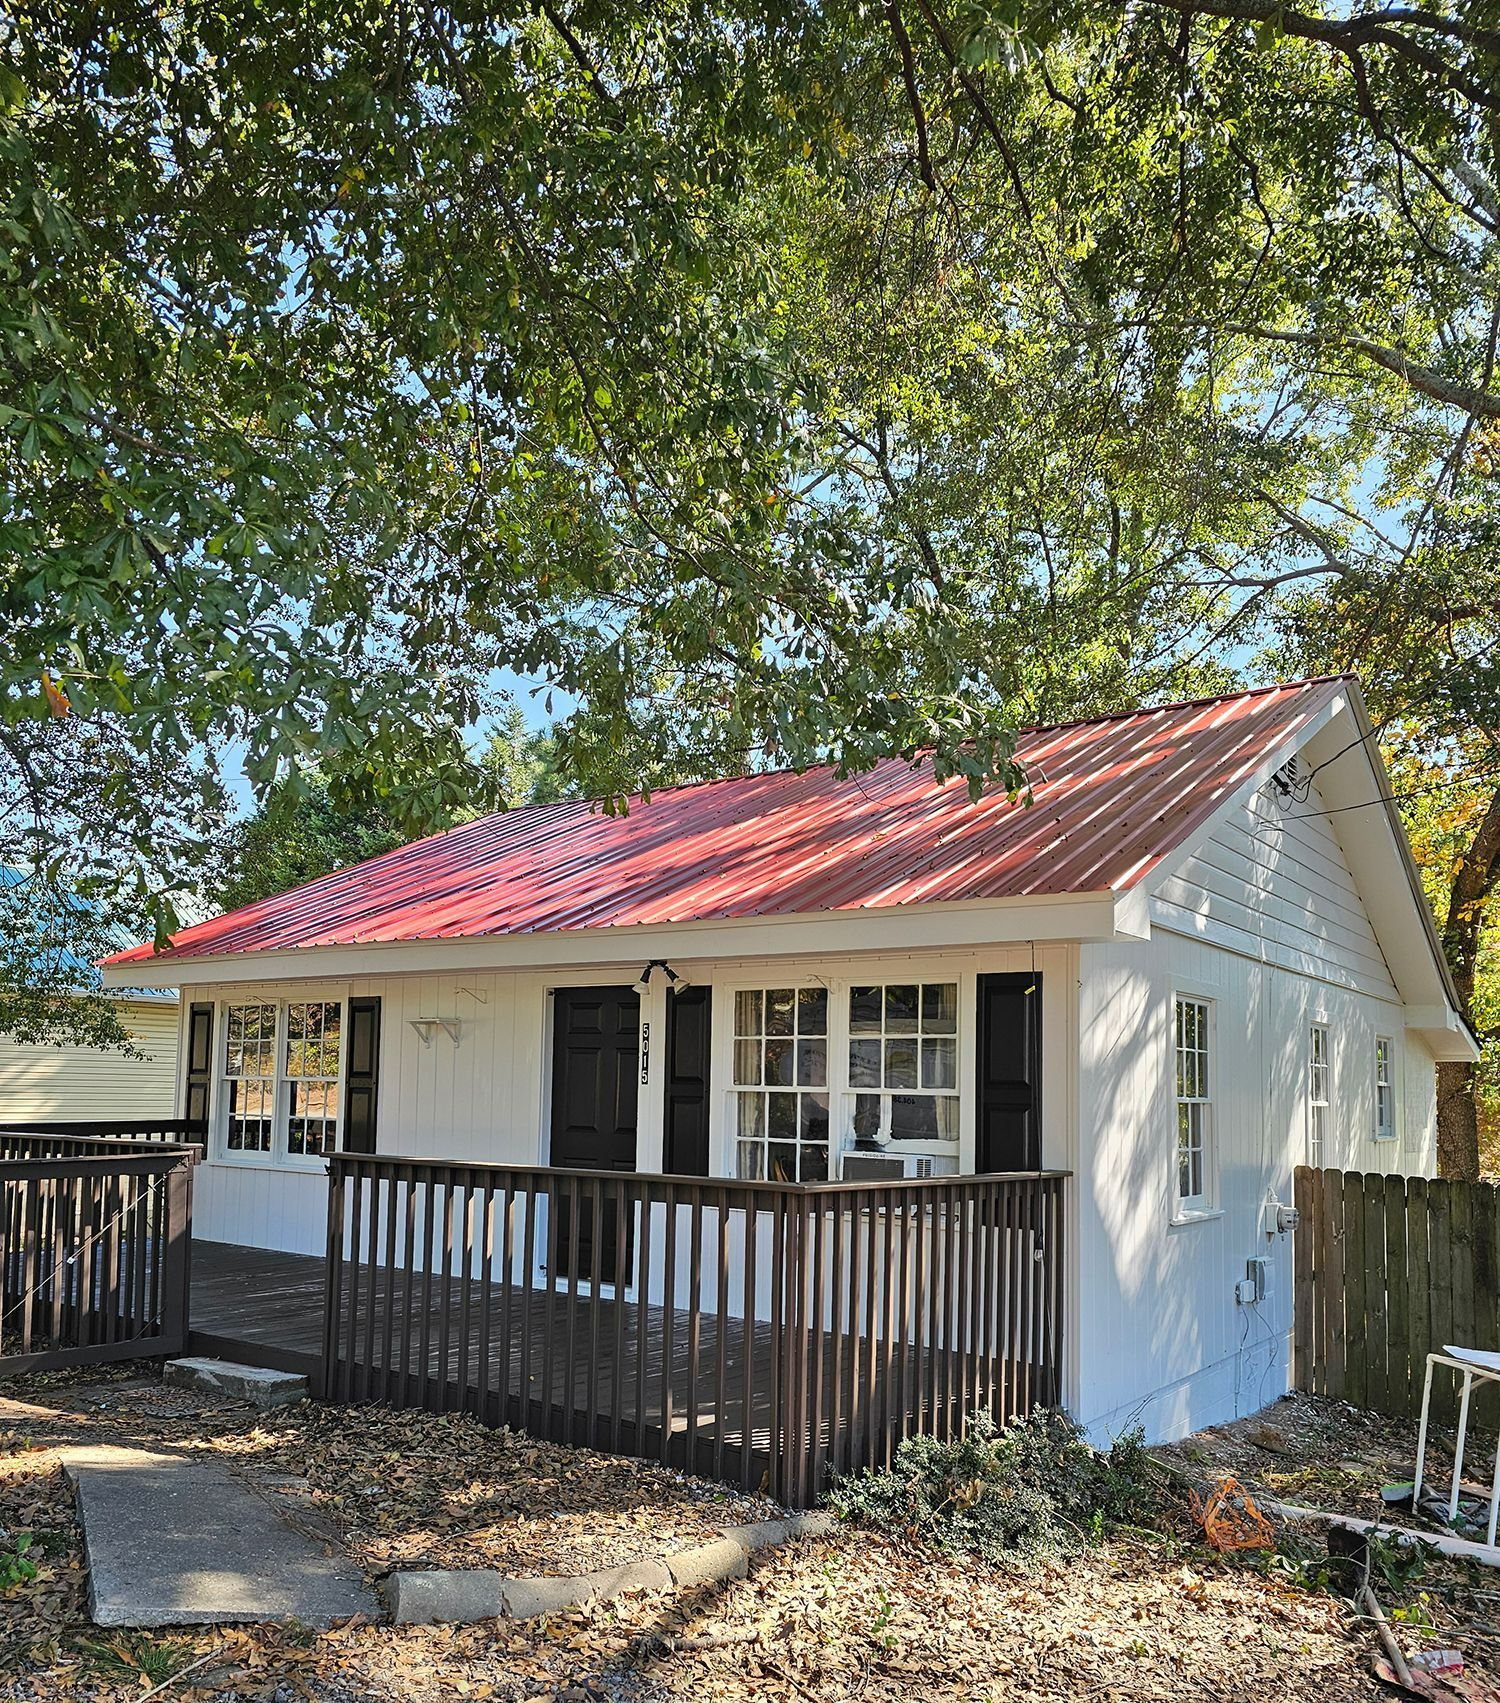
column 1477, row 1365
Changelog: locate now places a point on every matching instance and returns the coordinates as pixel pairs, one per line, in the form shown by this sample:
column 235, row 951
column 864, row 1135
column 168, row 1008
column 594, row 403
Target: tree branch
column 1391, row 28
column 913, row 94
column 1423, row 379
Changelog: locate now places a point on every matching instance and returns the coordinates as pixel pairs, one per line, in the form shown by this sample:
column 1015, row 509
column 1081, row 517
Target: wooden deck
column 256, row 1306
column 613, row 1374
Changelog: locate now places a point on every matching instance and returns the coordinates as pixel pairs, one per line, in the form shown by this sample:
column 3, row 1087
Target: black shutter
column 1009, row 1134
column 200, row 1067
column 361, row 1076
column 685, row 1151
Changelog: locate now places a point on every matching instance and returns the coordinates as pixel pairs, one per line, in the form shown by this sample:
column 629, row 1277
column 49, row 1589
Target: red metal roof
column 1112, row 798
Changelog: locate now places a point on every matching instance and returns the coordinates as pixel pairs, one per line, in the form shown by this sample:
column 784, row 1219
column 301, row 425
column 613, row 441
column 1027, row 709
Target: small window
column 1385, row 1089
column 781, row 1084
column 1193, row 1041
column 280, row 1085
column 1317, row 1095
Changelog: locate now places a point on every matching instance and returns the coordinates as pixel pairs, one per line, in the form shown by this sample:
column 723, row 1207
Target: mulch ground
column 1316, row 1453
column 853, row 1616
column 411, row 1489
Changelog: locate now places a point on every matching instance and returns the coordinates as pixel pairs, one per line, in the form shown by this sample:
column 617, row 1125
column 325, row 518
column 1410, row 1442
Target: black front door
column 1010, row 1073
column 595, row 1067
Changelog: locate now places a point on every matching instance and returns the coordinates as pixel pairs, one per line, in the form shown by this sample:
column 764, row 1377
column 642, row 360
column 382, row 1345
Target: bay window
column 279, row 1091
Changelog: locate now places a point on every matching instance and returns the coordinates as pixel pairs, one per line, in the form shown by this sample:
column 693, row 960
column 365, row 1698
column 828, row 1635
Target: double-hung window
column 1385, row 1088
column 1192, row 1045
column 1318, row 1073
column 279, row 1089
column 903, row 1074
column 781, row 1084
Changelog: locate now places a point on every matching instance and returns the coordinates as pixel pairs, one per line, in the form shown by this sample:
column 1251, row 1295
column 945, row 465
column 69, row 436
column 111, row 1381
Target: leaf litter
column 856, row 1615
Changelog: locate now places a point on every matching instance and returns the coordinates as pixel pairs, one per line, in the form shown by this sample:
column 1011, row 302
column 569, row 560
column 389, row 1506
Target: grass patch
column 1029, row 1490
column 16, row 1565
column 136, row 1657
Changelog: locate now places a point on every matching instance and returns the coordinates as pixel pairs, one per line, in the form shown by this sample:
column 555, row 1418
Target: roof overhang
column 1049, row 917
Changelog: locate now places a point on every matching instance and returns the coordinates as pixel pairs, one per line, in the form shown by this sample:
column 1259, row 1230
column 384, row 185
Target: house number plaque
column 645, row 1052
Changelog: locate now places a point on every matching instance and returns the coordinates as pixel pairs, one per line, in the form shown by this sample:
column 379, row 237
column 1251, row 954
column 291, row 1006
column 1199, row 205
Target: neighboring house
column 55, row 1082
column 1199, row 958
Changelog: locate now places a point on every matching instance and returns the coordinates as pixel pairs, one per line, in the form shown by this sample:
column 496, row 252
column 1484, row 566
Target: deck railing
column 108, row 1133
column 762, row 1333
column 94, row 1237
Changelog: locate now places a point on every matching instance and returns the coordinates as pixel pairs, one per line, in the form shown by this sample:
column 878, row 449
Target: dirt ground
column 857, row 1616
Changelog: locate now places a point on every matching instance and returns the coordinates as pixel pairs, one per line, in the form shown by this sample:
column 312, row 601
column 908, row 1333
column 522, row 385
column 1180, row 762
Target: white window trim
column 840, row 1093
column 279, row 1158
column 1317, row 1025
column 733, row 1090
column 1391, row 1133
column 1195, row 1209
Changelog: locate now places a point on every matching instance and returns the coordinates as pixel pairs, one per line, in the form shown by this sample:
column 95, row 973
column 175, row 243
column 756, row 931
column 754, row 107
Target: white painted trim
column 1048, row 918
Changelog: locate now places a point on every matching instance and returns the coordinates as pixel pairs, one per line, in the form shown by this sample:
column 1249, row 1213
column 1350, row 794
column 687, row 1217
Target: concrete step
column 173, row 1540
column 258, row 1385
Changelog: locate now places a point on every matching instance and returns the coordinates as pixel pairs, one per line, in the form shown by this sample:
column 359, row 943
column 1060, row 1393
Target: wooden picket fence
column 1388, row 1270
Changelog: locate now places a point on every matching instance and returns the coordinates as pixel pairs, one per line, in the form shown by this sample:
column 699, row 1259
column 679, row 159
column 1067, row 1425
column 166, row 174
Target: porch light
column 674, row 981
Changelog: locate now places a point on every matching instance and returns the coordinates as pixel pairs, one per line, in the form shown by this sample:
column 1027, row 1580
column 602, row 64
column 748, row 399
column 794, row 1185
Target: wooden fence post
column 177, row 1258
column 1304, row 1197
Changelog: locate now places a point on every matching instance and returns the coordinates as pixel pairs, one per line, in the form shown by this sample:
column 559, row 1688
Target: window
column 781, row 1083
column 313, row 1033
column 903, row 1066
column 1317, row 1095
column 1193, row 1019
column 249, row 1078
column 280, row 1097
column 1385, row 1089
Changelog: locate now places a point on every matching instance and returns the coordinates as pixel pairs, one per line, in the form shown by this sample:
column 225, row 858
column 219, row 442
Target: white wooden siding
column 84, row 1082
column 1159, row 1336
column 1272, row 883
column 487, row 1099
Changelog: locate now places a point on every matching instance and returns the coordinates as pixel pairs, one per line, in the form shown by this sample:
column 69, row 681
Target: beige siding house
column 90, row 1082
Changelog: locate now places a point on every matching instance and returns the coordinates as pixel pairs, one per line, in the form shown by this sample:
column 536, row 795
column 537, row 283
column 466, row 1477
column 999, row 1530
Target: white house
column 1199, row 957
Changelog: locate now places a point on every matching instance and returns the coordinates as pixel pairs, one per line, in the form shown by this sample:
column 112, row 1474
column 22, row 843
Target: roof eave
column 946, row 925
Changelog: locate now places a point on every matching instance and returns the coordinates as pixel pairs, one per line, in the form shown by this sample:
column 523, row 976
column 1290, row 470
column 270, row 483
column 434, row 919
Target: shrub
column 1034, row 1488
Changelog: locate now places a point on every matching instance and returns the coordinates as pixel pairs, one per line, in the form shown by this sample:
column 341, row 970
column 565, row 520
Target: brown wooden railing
column 175, row 1132
column 94, row 1240
column 762, row 1333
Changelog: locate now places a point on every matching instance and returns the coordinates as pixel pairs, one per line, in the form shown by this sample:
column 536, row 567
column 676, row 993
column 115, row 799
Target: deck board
column 257, row 1305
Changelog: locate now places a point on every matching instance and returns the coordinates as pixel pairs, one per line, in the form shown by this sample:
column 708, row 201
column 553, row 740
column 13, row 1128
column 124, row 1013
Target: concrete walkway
column 173, row 1540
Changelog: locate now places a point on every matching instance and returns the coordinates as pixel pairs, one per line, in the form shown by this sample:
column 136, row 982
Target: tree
column 303, row 830
column 1425, row 635
column 352, row 354
column 523, row 761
